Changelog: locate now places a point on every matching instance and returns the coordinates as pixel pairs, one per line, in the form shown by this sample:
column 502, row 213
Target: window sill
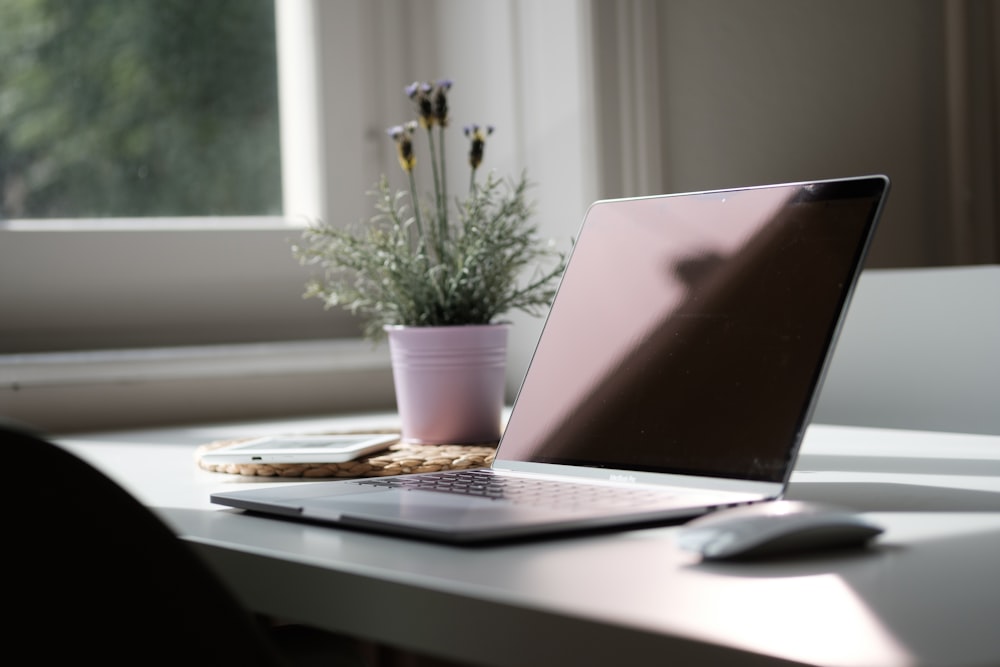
column 186, row 224
column 107, row 389
column 20, row 371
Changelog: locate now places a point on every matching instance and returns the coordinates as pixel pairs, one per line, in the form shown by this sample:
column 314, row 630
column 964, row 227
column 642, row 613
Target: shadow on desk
column 889, row 497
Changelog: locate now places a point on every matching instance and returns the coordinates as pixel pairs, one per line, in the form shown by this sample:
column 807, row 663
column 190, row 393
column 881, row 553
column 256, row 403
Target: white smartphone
column 301, row 448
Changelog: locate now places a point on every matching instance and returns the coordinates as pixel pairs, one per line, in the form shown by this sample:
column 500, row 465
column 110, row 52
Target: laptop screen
column 690, row 332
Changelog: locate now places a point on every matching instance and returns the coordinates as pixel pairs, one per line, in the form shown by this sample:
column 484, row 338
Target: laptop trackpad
column 413, row 506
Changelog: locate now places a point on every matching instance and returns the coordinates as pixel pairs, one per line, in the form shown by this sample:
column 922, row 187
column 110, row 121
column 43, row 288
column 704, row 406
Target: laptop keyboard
column 486, row 483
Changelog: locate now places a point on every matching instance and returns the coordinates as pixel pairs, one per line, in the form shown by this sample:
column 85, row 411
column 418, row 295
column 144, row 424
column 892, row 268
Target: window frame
column 47, row 299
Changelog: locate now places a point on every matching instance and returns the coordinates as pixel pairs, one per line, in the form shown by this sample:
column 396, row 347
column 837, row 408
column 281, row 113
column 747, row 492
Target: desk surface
column 927, row 594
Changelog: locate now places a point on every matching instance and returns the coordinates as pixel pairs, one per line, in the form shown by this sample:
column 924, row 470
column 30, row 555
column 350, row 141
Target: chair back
column 920, row 349
column 98, row 575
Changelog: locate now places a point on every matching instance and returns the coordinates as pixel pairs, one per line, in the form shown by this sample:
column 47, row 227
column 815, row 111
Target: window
column 118, row 108
column 141, row 181
column 145, row 267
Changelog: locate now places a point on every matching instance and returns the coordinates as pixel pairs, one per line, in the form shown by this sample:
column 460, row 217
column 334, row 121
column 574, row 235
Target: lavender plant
column 436, row 261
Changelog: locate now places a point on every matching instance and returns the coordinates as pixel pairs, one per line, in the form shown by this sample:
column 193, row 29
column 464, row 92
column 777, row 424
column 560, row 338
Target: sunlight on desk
column 771, row 610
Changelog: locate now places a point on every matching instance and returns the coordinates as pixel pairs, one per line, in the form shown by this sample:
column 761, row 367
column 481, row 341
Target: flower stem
column 416, row 204
column 443, row 203
column 438, row 196
column 435, row 169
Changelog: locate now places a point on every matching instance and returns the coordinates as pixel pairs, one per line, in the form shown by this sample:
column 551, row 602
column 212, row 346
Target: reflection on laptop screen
column 706, row 321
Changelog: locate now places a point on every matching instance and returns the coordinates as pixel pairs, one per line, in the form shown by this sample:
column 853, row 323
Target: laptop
column 675, row 374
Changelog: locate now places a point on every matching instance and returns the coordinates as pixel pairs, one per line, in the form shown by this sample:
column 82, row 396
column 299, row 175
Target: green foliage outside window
column 121, row 108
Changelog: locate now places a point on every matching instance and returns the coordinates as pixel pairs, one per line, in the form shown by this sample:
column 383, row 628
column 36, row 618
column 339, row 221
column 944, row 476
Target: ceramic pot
column 449, row 382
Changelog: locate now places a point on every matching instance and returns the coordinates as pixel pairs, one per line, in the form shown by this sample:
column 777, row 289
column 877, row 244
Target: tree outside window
column 138, row 108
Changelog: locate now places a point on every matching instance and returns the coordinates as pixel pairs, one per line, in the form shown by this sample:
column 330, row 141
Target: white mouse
column 775, row 528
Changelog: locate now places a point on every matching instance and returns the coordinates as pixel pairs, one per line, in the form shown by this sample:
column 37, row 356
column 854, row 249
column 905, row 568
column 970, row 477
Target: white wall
column 609, row 98
column 778, row 90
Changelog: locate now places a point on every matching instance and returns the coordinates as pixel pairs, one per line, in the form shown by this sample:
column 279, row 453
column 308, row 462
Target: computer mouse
column 775, row 528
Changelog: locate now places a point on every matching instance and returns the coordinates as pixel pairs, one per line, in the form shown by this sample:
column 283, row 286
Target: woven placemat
column 397, row 459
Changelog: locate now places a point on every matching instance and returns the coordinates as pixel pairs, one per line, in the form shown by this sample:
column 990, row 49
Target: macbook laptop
column 675, row 373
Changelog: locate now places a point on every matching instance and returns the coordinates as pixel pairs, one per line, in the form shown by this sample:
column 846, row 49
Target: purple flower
column 402, row 134
column 441, row 102
column 431, row 101
column 477, row 143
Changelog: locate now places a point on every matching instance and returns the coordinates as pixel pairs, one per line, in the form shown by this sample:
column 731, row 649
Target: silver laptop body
column 680, row 362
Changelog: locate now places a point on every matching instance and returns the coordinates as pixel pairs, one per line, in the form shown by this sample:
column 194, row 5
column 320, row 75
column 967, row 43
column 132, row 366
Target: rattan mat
column 397, row 459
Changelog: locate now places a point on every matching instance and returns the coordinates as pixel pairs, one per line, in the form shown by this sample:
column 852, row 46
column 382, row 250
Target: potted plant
column 436, row 275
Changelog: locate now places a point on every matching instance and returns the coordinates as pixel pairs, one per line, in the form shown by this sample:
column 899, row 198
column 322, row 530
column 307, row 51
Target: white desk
column 929, row 594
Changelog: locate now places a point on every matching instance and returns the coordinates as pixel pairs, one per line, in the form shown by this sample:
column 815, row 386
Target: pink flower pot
column 449, row 382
